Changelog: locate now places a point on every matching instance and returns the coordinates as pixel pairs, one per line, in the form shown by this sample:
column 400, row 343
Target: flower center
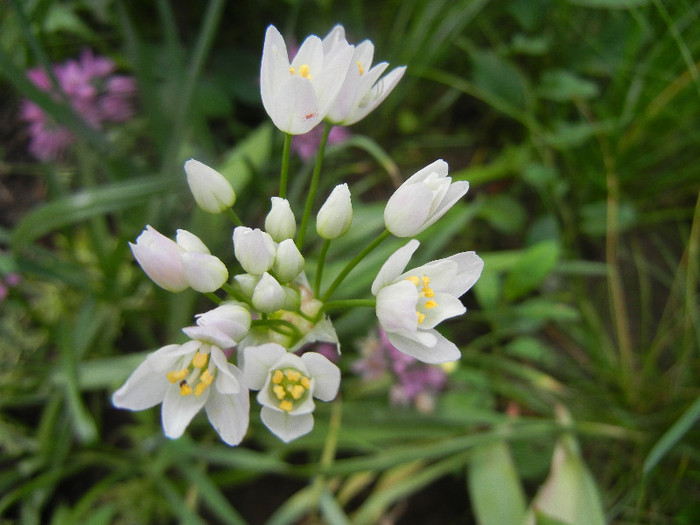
column 194, row 378
column 304, row 71
column 289, row 386
column 424, row 292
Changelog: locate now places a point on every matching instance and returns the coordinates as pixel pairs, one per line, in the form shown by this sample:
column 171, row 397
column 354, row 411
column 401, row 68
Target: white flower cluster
column 271, row 312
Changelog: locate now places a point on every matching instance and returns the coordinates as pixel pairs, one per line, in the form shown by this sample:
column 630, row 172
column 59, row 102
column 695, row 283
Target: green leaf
column 240, row 163
column 562, row 86
column 610, row 4
column 532, row 268
column 672, row 436
column 89, row 203
column 494, row 486
column 504, row 213
column 501, row 79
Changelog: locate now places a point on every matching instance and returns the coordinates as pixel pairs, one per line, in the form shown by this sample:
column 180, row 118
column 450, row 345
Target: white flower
column 254, row 249
column 289, row 262
column 212, row 192
column 268, row 295
column 223, row 326
column 287, row 384
column 335, row 216
column 177, row 265
column 298, row 96
column 185, row 378
column 280, row 222
column 362, row 90
column 422, row 199
column 411, row 304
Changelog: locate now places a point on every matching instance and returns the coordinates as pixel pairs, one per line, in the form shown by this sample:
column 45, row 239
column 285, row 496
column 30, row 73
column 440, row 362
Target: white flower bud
column 223, row 326
column 160, row 259
column 335, row 216
column 280, row 222
column 254, row 249
column 268, row 295
column 212, row 192
column 288, row 261
column 190, row 242
column 204, row 272
column 246, row 283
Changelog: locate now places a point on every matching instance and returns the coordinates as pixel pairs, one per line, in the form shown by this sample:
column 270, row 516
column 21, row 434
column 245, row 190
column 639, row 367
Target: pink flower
column 306, row 146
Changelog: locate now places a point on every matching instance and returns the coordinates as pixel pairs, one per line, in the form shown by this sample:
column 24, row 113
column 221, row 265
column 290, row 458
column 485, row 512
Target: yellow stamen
column 428, row 292
column 279, row 391
column 277, row 377
column 200, row 360
column 291, row 70
column 430, row 304
column 185, row 389
column 296, row 390
column 305, row 382
column 207, row 377
column 359, row 66
column 293, row 375
column 286, row 406
column 199, row 389
column 413, row 279
column 304, row 71
column 421, row 317
column 177, row 375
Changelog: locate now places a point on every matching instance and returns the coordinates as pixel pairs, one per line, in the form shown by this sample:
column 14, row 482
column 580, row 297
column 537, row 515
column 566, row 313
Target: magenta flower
column 305, row 146
column 93, row 91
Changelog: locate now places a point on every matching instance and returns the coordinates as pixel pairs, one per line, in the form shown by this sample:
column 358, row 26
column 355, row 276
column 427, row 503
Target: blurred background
column 576, row 123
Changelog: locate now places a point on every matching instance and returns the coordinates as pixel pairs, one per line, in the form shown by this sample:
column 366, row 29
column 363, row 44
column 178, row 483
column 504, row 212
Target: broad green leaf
column 532, row 268
column 503, row 212
column 494, row 486
column 501, row 79
column 562, row 85
column 240, row 163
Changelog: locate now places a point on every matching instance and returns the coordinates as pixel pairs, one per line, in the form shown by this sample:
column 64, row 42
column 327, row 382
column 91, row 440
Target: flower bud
column 254, row 249
column 335, row 216
column 160, row 259
column 268, row 295
column 223, row 326
column 246, row 283
column 280, row 222
column 212, row 192
column 189, row 242
column 288, row 261
column 204, row 272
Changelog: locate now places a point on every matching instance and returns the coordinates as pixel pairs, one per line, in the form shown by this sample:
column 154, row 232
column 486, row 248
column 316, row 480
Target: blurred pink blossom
column 92, row 89
column 305, row 146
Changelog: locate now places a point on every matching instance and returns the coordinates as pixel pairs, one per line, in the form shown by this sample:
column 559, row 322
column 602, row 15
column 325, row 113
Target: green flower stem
column 278, row 325
column 238, row 296
column 235, row 218
column 354, row 262
column 329, row 448
column 349, row 303
column 284, row 174
column 314, row 185
column 321, row 263
column 214, row 298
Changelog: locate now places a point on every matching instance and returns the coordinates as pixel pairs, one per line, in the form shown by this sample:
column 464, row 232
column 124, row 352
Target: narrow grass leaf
column 211, row 495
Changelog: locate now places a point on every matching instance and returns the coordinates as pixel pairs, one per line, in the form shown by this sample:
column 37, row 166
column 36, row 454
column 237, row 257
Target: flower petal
column 394, row 265
column 396, row 307
column 443, row 351
column 448, row 306
column 326, row 375
column 178, row 410
column 205, row 273
column 257, row 361
column 408, row 209
column 286, row 426
column 227, row 376
column 470, row 266
column 229, row 413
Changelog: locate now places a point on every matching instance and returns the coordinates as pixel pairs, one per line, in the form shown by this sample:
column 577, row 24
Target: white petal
column 178, row 410
column 394, row 265
column 146, row 385
column 228, row 413
column 286, row 426
column 209, row 334
column 408, row 209
column 443, row 351
column 274, row 67
column 439, row 166
column 441, row 272
column 329, row 83
column 448, row 306
column 205, row 273
column 470, row 266
column 227, row 376
column 456, row 191
column 396, row 307
column 190, row 242
column 257, row 361
column 323, row 332
column 326, row 375
column 379, row 92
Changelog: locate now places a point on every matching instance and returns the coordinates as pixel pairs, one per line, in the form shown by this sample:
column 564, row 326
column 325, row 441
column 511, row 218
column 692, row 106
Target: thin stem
column 348, row 303
column 278, row 325
column 314, row 185
column 284, row 174
column 232, row 215
column 354, row 262
column 321, row 263
column 329, row 448
column 238, row 296
column 213, row 297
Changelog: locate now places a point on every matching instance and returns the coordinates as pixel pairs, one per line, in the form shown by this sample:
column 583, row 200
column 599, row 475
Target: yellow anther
column 185, row 389
column 199, row 389
column 413, row 279
column 296, row 390
column 286, row 406
column 425, row 280
column 291, row 70
column 279, row 391
column 177, row 375
column 359, row 66
column 428, row 292
column 293, row 375
column 305, row 382
column 200, row 360
column 277, row 377
column 421, row 317
column 304, row 71
column 207, row 377
column 430, row 304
